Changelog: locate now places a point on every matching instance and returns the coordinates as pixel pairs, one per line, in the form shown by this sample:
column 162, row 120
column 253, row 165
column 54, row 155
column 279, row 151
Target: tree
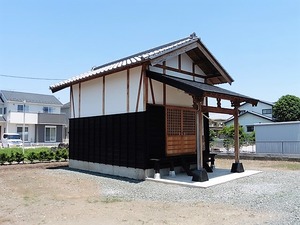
column 287, row 108
column 228, row 133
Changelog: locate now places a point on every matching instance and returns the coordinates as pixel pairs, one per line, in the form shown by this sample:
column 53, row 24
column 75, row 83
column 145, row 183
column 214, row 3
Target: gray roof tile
column 132, row 60
column 14, row 96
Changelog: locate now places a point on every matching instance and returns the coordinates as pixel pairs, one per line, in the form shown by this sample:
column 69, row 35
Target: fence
column 278, row 147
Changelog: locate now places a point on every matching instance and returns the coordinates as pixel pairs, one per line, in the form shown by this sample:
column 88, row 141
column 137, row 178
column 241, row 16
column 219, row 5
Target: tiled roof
column 14, row 96
column 198, row 88
column 134, row 60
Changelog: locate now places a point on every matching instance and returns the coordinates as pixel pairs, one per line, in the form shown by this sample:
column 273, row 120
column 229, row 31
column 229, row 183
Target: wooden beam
column 164, row 86
column 127, row 97
column 164, row 57
column 103, row 95
column 215, row 63
column 79, row 100
column 217, row 110
column 145, row 88
column 139, row 91
column 152, row 92
column 180, row 71
column 72, row 100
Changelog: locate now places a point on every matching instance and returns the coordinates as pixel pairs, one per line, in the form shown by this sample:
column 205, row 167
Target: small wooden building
column 147, row 109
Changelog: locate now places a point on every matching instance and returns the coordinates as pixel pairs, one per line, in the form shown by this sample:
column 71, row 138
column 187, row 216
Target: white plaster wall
column 75, row 103
column 116, row 93
column 91, row 97
column 178, row 98
column 134, row 80
column 157, row 91
column 186, row 63
column 172, row 62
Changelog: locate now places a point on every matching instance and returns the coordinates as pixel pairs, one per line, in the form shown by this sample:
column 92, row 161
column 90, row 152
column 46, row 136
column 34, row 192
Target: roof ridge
column 192, row 36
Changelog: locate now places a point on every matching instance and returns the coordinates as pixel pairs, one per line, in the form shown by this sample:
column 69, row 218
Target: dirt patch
column 36, row 194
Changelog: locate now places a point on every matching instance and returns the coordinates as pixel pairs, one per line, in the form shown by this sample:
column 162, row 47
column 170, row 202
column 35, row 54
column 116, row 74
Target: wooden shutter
column 180, row 131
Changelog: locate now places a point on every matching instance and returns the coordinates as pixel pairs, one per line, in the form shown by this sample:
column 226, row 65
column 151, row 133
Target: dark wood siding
column 122, row 139
column 128, row 140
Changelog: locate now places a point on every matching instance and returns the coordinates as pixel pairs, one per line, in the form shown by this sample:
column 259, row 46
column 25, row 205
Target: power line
column 29, row 78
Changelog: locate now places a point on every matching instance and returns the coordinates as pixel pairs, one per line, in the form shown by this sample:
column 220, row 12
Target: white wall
column 134, row 80
column 258, row 109
column 91, row 98
column 32, row 108
column 89, row 101
column 248, row 120
column 18, row 117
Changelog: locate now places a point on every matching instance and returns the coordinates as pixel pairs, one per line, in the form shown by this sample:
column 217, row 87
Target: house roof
column 2, row 119
column 265, row 102
column 190, row 45
column 199, row 88
column 14, row 96
column 252, row 113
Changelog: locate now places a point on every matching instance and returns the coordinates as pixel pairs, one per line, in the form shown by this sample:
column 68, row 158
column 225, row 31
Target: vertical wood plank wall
column 121, row 139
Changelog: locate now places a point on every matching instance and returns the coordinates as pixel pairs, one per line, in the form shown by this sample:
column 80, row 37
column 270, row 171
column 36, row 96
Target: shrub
column 11, row 158
column 19, row 157
column 57, row 156
column 64, row 154
column 49, row 156
column 3, row 158
column 43, row 156
column 32, row 156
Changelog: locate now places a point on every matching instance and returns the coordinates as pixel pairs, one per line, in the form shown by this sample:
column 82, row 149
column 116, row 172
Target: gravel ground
column 270, row 197
column 275, row 191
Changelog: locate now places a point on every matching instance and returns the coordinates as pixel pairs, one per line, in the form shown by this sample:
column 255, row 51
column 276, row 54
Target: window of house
column 21, row 108
column 250, row 128
column 267, row 111
column 50, row 134
column 4, row 110
column 20, row 131
column 47, row 109
column 0, row 111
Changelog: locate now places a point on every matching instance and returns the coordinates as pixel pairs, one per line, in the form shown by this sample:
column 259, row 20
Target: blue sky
column 256, row 41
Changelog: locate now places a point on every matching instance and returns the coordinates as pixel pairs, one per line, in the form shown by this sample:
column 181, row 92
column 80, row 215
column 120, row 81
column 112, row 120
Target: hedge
column 15, row 155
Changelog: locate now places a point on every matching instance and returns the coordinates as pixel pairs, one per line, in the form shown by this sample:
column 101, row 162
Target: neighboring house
column 39, row 114
column 145, row 111
column 249, row 115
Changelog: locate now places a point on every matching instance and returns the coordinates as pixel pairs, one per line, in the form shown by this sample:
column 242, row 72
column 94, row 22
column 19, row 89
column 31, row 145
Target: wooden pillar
column 237, row 167
column 199, row 137
column 200, row 174
column 236, row 135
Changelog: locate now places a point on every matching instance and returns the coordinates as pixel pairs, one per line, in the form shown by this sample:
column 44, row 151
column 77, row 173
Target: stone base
column 237, row 168
column 200, row 175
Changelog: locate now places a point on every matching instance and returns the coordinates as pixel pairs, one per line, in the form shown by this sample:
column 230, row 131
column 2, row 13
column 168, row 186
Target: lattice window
column 181, row 131
column 173, row 122
column 189, row 122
